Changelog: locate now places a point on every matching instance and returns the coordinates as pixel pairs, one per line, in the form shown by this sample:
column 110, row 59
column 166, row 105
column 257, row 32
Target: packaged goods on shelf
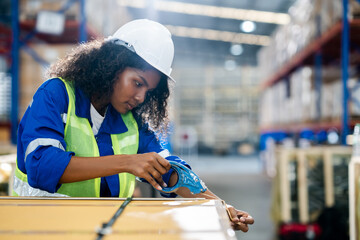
column 354, row 8
column 288, row 39
column 354, row 89
column 309, row 19
column 327, row 101
column 297, row 102
column 30, row 8
column 279, row 99
column 287, row 104
column 328, row 12
column 5, row 105
column 5, row 96
column 332, row 95
column 265, row 113
column 337, row 99
column 4, row 134
column 221, row 105
column 300, row 93
column 32, row 74
column 3, row 64
column 313, row 109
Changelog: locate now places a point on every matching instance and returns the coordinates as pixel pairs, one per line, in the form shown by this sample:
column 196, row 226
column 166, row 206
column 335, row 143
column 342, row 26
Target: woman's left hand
column 239, row 219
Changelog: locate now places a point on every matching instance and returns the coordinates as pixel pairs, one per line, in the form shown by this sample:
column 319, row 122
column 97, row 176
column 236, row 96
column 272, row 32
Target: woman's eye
column 138, row 84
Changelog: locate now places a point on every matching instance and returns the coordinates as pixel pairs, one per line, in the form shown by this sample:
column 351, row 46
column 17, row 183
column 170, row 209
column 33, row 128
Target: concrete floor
column 240, row 182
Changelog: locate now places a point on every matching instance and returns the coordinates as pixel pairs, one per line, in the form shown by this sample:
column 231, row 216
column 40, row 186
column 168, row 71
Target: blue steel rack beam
column 345, row 71
column 14, row 69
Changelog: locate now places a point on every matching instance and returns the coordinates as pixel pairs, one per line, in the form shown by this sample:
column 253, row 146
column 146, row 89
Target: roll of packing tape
column 186, row 178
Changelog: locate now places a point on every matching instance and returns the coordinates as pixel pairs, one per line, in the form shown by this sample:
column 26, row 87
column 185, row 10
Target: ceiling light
column 236, row 49
column 247, row 26
column 210, row 11
column 224, row 36
column 230, row 65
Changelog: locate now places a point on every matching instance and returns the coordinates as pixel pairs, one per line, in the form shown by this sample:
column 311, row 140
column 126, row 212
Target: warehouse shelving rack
column 220, row 110
column 317, row 53
column 5, row 51
column 74, row 31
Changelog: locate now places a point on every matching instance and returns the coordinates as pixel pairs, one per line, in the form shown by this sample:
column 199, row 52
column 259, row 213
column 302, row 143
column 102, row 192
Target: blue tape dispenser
column 186, row 178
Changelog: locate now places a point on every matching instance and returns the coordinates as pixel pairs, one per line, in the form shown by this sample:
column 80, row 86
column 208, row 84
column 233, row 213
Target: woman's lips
column 130, row 106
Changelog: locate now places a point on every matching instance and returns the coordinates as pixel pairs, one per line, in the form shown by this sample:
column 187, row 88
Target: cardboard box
column 30, row 8
column 32, row 74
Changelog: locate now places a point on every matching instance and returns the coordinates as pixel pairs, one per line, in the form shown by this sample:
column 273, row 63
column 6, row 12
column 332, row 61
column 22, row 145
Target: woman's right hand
column 150, row 166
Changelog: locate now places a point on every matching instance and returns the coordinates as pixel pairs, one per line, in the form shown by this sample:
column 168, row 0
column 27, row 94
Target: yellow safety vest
column 80, row 139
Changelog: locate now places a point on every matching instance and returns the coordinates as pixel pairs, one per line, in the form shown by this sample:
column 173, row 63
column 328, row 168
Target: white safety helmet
column 151, row 41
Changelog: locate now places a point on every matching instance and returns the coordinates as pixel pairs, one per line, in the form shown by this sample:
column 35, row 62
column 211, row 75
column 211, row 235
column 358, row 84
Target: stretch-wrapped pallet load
column 309, row 19
column 326, row 101
column 295, row 100
column 5, row 96
column 337, row 103
column 354, row 89
column 327, row 12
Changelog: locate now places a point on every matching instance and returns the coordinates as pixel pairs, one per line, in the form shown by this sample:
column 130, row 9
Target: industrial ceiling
column 205, row 30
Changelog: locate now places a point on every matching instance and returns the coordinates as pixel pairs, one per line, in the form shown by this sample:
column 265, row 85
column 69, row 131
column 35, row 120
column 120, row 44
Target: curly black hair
column 94, row 67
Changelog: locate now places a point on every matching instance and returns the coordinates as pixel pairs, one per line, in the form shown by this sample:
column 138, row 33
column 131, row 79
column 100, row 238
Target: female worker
column 90, row 128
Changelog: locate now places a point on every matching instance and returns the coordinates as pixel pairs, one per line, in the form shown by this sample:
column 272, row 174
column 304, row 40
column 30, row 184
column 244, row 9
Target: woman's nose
column 140, row 96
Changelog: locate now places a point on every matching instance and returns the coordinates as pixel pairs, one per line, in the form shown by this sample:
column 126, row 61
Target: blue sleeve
column 41, row 137
column 148, row 142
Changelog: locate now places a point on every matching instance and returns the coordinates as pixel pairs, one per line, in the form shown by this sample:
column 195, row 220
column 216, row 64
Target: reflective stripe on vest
column 80, row 139
column 21, row 187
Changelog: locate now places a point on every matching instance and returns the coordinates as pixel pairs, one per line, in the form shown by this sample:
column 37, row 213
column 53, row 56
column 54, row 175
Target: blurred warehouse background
column 264, row 106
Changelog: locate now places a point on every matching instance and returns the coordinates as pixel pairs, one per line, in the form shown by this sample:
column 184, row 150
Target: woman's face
column 131, row 87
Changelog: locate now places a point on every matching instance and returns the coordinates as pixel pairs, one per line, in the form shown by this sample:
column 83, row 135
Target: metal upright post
column 82, row 25
column 14, row 69
column 345, row 71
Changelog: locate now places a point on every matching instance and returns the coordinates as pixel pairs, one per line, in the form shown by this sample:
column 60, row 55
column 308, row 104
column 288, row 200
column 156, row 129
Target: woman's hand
column 150, row 166
column 239, row 219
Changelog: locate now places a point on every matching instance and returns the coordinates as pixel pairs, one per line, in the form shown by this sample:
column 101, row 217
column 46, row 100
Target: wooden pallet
column 302, row 158
column 354, row 198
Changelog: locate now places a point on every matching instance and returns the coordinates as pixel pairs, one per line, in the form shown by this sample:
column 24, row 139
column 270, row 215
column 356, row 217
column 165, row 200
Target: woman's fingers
column 239, row 219
column 158, row 178
column 247, row 219
column 165, row 165
column 151, row 166
column 161, row 166
column 233, row 214
column 152, row 181
column 240, row 226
